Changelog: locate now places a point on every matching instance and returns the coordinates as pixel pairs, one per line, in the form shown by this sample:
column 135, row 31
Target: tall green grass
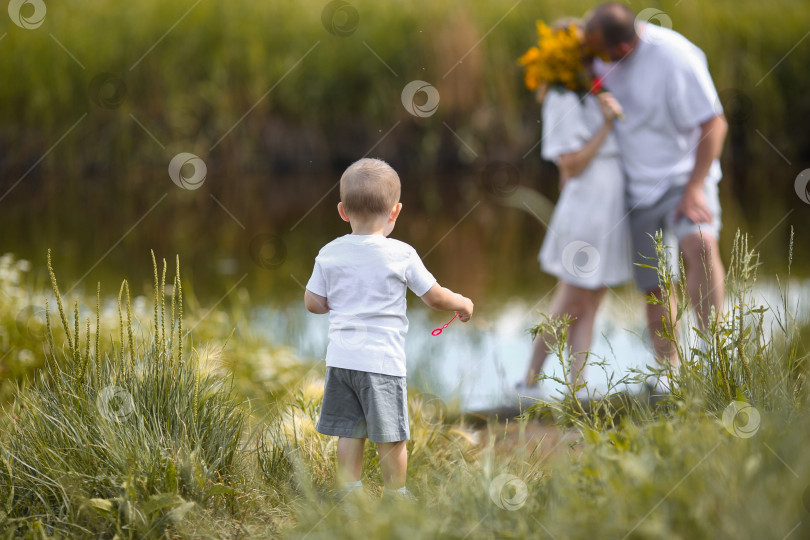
column 751, row 353
column 754, row 352
column 227, row 338
column 122, row 441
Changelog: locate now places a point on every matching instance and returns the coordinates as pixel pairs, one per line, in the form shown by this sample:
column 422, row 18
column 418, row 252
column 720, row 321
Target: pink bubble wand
column 438, row 331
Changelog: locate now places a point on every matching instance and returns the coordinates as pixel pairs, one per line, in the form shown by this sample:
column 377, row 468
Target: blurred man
column 670, row 141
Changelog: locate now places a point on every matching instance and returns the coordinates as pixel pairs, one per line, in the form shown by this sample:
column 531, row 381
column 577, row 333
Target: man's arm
column 315, row 303
column 693, row 204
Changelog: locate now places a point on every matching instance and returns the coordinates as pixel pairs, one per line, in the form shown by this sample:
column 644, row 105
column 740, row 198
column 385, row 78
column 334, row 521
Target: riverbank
column 145, row 432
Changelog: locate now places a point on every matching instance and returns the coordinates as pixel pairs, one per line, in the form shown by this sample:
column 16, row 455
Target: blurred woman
column 587, row 245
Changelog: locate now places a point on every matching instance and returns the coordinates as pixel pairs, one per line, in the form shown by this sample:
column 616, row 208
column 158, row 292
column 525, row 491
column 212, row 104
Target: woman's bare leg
column 580, row 332
column 578, row 303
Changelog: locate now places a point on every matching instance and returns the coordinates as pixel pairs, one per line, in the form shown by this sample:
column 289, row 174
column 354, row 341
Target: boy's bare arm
column 444, row 299
column 316, row 303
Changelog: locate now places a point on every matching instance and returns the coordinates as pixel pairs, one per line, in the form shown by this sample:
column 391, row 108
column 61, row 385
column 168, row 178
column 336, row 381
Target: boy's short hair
column 369, row 187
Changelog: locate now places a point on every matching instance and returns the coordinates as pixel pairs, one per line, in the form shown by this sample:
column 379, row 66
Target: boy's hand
column 444, row 299
column 465, row 313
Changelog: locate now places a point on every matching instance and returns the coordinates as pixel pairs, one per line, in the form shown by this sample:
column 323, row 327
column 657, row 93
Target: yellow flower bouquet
column 557, row 60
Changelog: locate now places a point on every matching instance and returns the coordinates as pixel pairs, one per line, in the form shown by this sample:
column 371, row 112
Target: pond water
column 477, row 364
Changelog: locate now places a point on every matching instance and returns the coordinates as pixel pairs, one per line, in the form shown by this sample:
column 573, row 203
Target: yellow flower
column 543, row 31
column 530, row 56
column 556, row 60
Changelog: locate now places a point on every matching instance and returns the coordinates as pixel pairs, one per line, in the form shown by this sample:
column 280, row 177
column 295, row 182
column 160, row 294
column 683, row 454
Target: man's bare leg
column 657, row 315
column 705, row 276
column 579, row 303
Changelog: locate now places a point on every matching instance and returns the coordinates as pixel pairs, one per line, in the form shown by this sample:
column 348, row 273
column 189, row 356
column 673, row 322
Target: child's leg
column 350, row 459
column 394, row 463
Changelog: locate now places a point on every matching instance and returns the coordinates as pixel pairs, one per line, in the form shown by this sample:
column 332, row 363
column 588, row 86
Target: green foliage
column 22, row 325
column 188, row 462
column 679, row 476
column 124, row 443
column 752, row 353
column 203, row 75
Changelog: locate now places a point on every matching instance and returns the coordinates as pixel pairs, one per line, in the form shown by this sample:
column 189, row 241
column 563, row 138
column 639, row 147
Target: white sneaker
column 348, row 492
column 399, row 495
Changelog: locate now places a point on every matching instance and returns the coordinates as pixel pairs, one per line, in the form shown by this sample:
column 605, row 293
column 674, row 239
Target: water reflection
column 477, row 239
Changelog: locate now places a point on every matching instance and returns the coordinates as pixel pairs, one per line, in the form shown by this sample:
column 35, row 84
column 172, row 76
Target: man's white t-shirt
column 666, row 92
column 364, row 279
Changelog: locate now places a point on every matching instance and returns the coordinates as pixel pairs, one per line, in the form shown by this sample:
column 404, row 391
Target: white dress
column 588, row 239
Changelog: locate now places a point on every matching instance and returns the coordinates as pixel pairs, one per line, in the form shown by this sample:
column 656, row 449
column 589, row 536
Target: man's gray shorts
column 644, row 222
column 362, row 405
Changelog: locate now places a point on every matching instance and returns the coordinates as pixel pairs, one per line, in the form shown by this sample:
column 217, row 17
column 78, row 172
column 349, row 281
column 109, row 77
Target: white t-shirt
column 666, row 92
column 364, row 279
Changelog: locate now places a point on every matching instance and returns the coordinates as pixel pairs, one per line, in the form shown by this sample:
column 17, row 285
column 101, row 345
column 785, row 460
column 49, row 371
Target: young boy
column 360, row 280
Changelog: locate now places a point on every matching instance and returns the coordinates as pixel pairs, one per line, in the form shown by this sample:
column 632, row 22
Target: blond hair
column 369, row 187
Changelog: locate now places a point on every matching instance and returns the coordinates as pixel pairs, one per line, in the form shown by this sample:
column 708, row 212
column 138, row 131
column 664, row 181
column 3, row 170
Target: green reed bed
column 221, row 58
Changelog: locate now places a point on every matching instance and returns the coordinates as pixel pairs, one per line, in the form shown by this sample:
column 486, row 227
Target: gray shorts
column 362, row 405
column 644, row 222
